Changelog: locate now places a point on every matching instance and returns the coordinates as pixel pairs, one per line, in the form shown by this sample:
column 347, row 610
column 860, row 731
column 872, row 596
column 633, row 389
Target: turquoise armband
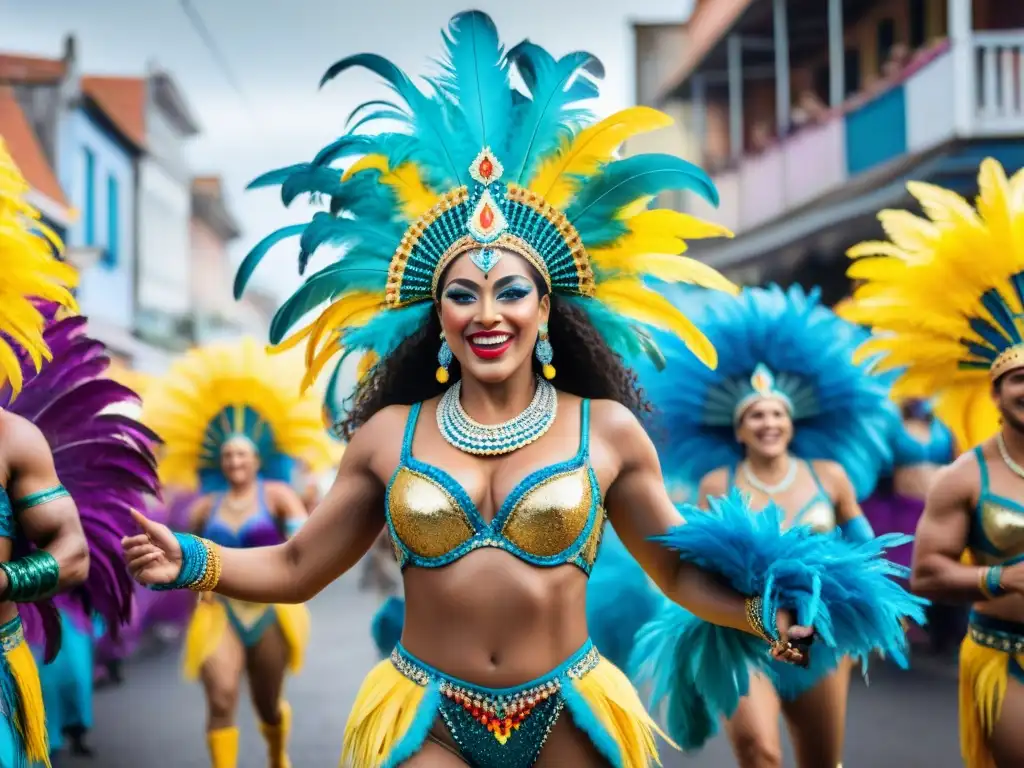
column 40, row 497
column 32, row 578
column 200, row 566
column 858, row 530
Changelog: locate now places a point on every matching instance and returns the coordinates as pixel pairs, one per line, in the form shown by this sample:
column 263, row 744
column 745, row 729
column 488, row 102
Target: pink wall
column 211, row 278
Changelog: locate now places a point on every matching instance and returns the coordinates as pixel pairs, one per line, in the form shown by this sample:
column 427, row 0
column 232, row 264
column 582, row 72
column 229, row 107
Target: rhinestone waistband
column 502, row 702
column 12, row 635
column 997, row 634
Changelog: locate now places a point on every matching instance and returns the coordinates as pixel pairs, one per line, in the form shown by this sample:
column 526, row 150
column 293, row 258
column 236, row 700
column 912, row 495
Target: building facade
column 811, row 116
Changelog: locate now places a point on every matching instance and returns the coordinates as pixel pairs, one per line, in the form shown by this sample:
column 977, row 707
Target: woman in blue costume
column 52, row 397
column 234, row 426
column 789, row 419
column 492, row 239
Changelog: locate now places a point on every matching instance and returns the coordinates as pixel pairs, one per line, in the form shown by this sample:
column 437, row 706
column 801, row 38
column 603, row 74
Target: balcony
column 972, row 94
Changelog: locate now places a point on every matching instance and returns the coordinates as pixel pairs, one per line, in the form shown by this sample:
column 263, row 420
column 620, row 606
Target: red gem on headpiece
column 486, row 168
column 486, row 216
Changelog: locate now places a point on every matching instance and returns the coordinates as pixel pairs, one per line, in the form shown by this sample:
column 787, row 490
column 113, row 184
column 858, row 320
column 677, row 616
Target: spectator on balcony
column 809, row 110
column 761, row 137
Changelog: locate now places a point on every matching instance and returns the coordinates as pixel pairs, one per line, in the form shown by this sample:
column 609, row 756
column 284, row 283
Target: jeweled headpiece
column 782, row 345
column 29, row 271
column 482, row 168
column 945, row 298
column 220, row 392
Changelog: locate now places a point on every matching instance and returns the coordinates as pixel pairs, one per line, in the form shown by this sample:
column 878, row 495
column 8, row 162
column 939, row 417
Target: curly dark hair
column 587, row 367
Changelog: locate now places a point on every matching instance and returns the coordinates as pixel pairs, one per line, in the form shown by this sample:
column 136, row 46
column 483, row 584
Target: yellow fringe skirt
column 23, row 742
column 215, row 615
column 402, row 697
column 992, row 652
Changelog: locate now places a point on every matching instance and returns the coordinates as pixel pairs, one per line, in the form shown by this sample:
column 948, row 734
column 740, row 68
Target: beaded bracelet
column 31, row 578
column 989, row 582
column 200, row 565
column 755, row 618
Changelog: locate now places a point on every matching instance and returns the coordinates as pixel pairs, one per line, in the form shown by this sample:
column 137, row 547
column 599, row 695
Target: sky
column 268, row 111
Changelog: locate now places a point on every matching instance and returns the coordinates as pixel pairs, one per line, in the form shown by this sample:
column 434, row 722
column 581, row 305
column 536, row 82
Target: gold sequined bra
column 997, row 530
column 552, row 517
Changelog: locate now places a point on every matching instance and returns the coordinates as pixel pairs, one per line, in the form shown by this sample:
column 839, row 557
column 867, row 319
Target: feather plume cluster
column 545, row 141
column 29, row 270
column 214, row 392
column 842, row 412
column 944, row 295
column 698, row 672
column 105, row 461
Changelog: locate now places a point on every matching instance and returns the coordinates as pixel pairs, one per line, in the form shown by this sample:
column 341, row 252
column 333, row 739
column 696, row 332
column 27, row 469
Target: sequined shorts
column 500, row 727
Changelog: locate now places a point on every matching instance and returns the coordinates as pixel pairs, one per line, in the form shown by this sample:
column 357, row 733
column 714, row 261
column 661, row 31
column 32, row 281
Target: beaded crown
column 479, row 165
column 944, row 295
column 216, row 393
column 29, row 272
column 785, row 345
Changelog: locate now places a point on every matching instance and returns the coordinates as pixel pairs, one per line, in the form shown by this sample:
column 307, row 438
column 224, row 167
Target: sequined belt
column 12, row 634
column 499, row 726
column 998, row 634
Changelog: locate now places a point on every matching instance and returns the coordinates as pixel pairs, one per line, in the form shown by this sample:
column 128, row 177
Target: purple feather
column 106, row 462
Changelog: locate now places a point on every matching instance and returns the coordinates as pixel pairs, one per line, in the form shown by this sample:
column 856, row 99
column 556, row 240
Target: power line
column 211, row 44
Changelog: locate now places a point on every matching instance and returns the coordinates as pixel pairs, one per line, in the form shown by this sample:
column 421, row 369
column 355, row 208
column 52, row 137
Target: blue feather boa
column 849, row 593
column 386, row 626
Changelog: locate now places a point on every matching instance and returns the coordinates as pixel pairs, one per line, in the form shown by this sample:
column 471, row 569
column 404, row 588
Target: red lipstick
column 490, row 345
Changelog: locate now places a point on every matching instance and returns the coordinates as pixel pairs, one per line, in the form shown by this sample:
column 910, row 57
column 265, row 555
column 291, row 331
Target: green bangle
column 32, row 578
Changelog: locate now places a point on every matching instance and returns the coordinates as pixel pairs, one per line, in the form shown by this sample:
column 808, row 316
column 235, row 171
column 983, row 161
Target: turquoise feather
column 326, row 229
column 276, row 177
column 367, row 105
column 427, row 115
column 623, row 182
column 347, row 146
column 476, row 77
column 332, row 281
column 386, row 331
column 545, row 121
column 255, row 256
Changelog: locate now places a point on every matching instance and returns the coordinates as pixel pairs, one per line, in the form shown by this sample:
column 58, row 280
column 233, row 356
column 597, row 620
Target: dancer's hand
column 153, row 556
column 794, row 647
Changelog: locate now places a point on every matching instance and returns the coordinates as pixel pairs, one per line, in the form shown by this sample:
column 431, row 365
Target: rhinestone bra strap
column 410, row 432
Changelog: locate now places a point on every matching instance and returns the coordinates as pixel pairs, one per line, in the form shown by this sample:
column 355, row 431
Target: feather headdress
column 30, row 270
column 781, row 344
column 215, row 393
column 477, row 165
column 104, row 460
column 945, row 298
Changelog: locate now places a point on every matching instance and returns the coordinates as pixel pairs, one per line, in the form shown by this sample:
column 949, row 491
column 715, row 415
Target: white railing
column 999, row 82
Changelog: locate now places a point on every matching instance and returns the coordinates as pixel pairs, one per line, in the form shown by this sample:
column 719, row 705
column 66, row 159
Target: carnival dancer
column 789, row 419
column 52, row 425
column 495, row 239
column 944, row 295
column 234, row 425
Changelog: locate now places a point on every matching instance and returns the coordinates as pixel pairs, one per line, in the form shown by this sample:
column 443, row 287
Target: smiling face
column 239, row 461
column 491, row 321
column 766, row 428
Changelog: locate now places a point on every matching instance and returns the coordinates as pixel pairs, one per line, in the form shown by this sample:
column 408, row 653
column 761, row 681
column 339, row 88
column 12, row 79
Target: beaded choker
column 469, row 436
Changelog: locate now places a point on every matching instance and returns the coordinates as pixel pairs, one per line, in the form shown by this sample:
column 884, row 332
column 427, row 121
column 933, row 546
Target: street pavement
column 155, row 720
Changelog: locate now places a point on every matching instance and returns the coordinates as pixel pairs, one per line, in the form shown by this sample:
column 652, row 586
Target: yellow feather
column 28, row 270
column 181, row 405
column 666, row 267
column 634, row 300
column 591, row 148
column 414, row 196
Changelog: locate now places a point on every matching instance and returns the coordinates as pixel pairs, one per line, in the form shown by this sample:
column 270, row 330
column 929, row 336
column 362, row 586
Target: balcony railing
column 930, row 107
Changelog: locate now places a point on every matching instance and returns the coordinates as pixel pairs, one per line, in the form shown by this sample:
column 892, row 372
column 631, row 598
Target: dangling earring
column 544, row 353
column 444, row 359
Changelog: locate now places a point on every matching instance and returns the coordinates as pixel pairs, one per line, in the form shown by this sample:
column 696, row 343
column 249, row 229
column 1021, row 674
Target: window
column 90, row 198
column 886, row 39
column 918, row 23
column 112, row 252
column 851, row 71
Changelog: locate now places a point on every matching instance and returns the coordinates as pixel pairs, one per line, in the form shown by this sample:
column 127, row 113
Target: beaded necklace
column 469, row 436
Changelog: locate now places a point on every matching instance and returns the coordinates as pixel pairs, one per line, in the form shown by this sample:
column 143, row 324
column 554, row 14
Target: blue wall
column 877, row 131
column 95, row 167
